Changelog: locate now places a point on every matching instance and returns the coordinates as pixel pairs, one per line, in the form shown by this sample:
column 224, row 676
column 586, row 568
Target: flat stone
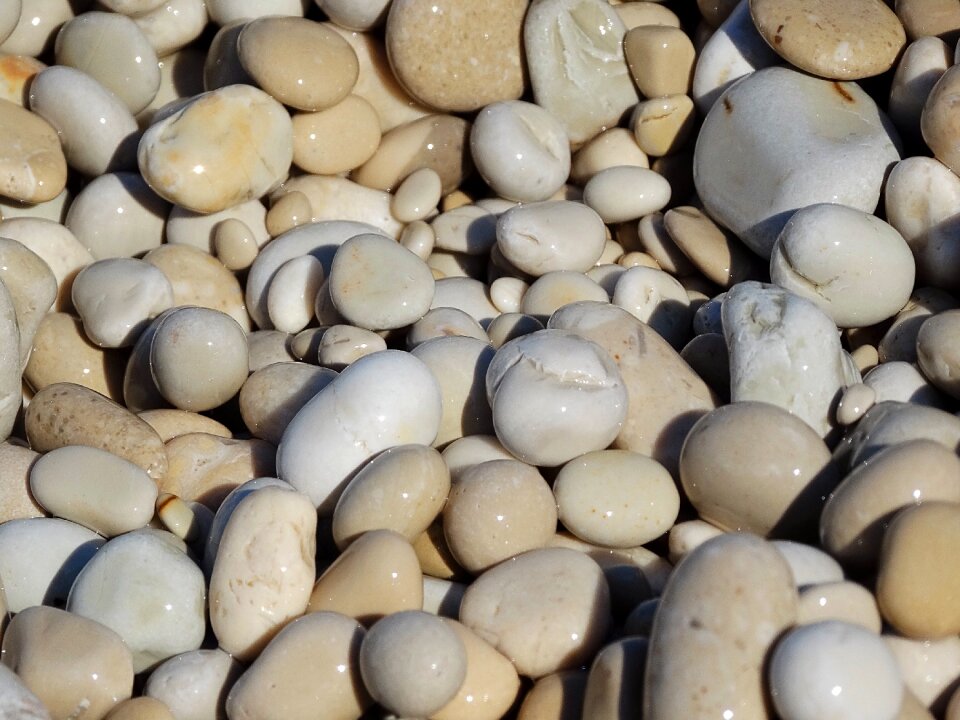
column 32, row 164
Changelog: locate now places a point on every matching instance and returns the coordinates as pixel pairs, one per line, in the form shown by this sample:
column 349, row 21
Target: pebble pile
column 466, row 360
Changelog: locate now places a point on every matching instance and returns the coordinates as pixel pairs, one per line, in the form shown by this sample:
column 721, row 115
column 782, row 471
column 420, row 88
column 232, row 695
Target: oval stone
column 32, row 165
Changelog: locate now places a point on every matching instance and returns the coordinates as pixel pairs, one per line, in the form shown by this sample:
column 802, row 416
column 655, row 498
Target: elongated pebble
column 623, row 193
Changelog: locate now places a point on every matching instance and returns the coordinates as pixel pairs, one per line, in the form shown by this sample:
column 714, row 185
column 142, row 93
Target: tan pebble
column 417, row 195
column 653, row 237
column 32, row 166
column 75, row 666
column 16, row 502
column 612, row 251
column 925, row 18
column 658, row 299
column 953, row 709
column 866, row 357
column 310, row 668
column 559, row 696
column 892, row 422
column 434, row 555
column 207, row 467
column 141, row 708
column 497, row 510
column 268, row 347
column 305, row 345
column 899, row 343
column 263, row 571
column 716, row 253
column 198, row 358
column 199, row 279
column 557, row 288
column 67, row 414
column 839, row 600
column 719, row 616
column 507, row 326
column 687, row 536
column 856, row 515
column 662, row 126
column 299, row 62
column 616, row 146
column 234, row 244
column 938, row 124
column 786, row 495
column 504, row 606
column 418, row 237
column 173, row 25
column 930, row 668
column 478, row 48
column 272, row 395
column 937, row 352
column 16, row 72
column 139, row 387
column 856, row 400
column 636, row 13
column 660, row 58
column 861, row 39
column 185, row 227
column 32, row 289
column 337, row 198
column 636, row 259
column 170, row 423
column 616, row 498
column 377, row 575
column 921, row 65
column 917, row 574
column 178, row 517
column 623, row 193
column 611, row 692
column 289, row 211
column 436, row 141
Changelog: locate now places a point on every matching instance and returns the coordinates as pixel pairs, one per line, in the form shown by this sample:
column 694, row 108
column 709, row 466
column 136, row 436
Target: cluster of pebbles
column 464, row 359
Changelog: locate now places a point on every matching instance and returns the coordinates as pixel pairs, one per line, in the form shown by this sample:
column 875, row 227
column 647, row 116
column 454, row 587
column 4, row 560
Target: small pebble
column 856, row 400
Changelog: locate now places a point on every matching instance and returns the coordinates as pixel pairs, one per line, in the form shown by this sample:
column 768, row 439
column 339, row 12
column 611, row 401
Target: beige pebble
column 185, row 227
column 194, row 685
column 917, row 576
column 19, row 698
column 224, row 11
column 292, row 292
column 718, row 254
column 636, row 12
column 418, row 237
column 505, row 607
column 930, row 668
column 349, row 15
column 889, row 423
column 181, row 77
column 34, row 31
column 507, row 326
column 497, row 510
column 482, row 65
column 657, row 299
column 937, row 352
column 469, row 229
column 720, row 614
column 173, row 25
column 507, row 293
column 339, row 138
column 839, row 600
column 662, row 126
column 170, row 423
column 557, row 288
column 902, row 382
column 337, row 198
column 289, row 211
column 342, row 345
column 442, row 597
column 268, row 347
column 787, row 494
column 139, row 386
column 921, row 65
column 861, row 39
column 32, row 290
column 660, row 58
column 855, row 517
column 140, row 708
column 377, row 575
column 93, row 488
column 899, row 343
column 687, row 536
column 67, row 414
column 612, row 147
column 264, row 569
column 938, row 124
column 923, row 19
column 301, row 63
column 16, row 501
column 466, row 452
column 611, row 692
column 272, row 395
column 178, row 517
column 854, row 402
column 16, row 72
column 654, row 238
column 74, row 665
column 234, row 244
column 808, row 564
column 624, row 192
column 311, row 667
column 865, row 357
column 558, row 696
column 32, row 164
column 635, row 259
column 238, row 122
column 444, row 322
column 616, row 498
column 542, row 237
column 198, row 358
column 417, row 195
column 435, row 557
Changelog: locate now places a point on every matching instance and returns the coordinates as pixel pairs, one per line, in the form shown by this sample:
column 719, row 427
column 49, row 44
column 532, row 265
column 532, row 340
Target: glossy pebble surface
column 32, row 166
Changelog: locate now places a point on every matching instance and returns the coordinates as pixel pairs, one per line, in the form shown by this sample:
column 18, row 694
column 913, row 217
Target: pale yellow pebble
column 378, row 575
column 930, row 668
column 170, row 423
column 866, row 357
column 342, row 345
column 272, row 395
column 178, row 517
column 338, row 139
column 289, row 211
column 558, row 696
column 507, row 326
column 454, row 199
column 616, row 146
column 637, row 259
column 305, row 344
column 624, row 192
column 662, row 126
column 140, row 708
column 16, row 71
column 434, row 556
column 417, row 195
column 32, row 165
column 839, row 600
column 661, row 60
column 292, row 293
column 637, row 13
column 854, row 402
column 718, row 254
column 418, row 237
column 687, row 536
column 444, row 322
column 933, row 17
column 611, row 693
column 507, row 293
column 553, row 290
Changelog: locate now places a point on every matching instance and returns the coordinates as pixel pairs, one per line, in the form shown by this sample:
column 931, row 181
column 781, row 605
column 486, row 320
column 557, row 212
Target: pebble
column 272, row 396
column 936, row 352
column 311, row 666
column 721, row 257
column 9, row 18
column 170, row 423
column 937, row 123
column 289, row 211
column 610, row 694
column 263, row 571
column 834, row 669
column 301, row 63
column 718, row 618
column 612, row 147
column 923, row 63
column 16, row 500
column 930, row 18
column 340, row 138
column 662, row 126
column 226, row 11
column 658, row 299
column 32, row 164
column 143, row 586
column 32, row 289
column 75, row 666
column 417, row 196
column 798, row 136
column 504, row 606
column 35, row 30
column 616, row 498
column 94, row 488
column 888, row 423
column 141, row 708
column 19, row 701
column 840, row 600
column 460, row 56
column 194, row 684
column 337, row 198
column 16, row 72
column 687, row 536
column 347, row 14
column 444, row 322
column 900, row 381
column 293, row 290
column 660, row 58
column 557, row 288
column 623, row 193
column 520, row 150
column 185, row 227
column 808, row 565
column 577, row 69
column 558, row 696
column 182, row 156
column 234, row 245
column 930, row 668
column 543, row 237
column 376, row 576
column 854, row 402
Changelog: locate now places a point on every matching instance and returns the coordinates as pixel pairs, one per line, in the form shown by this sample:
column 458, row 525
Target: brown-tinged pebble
column 194, row 685
column 68, row 414
column 839, row 600
column 310, row 667
column 16, row 72
column 718, row 618
column 301, row 63
column 263, row 571
column 205, row 467
column 16, row 501
column 917, row 575
column 377, row 575
column 718, row 254
column 32, row 164
column 616, row 498
column 505, row 606
column 660, row 58
column 272, row 395
column 615, row 146
column 180, row 518
column 457, row 56
column 94, row 488
column 858, row 512
column 402, row 489
column 182, row 156
column 170, row 423
column 77, row 667
column 289, row 211
column 780, row 491
column 558, row 696
column 662, row 126
column 612, row 691
column 920, row 66
column 140, row 708
column 143, row 586
column 337, row 139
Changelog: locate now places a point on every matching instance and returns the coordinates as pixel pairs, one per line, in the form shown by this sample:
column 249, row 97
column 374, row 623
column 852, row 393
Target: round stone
column 542, row 237
column 339, row 138
column 938, row 352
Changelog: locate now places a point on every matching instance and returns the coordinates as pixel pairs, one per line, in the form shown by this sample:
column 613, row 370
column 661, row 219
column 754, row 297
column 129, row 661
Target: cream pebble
column 342, row 345
column 185, row 227
column 194, row 684
column 900, row 381
column 937, row 123
column 182, row 155
column 293, row 290
column 171, row 423
column 33, row 164
column 657, row 299
column 889, row 423
column 921, row 65
column 520, row 150
column 20, row 699
column 811, row 662
column 9, row 17
column 504, row 606
column 178, row 517
column 616, row 146
column 930, row 668
column 558, row 288
column 173, row 25
column 234, row 244
column 140, row 575
column 507, row 293
column 319, row 144
column 854, row 402
column 808, row 564
column 30, row 290
column 469, row 229
column 547, row 236
column 508, row 326
column 937, row 351
column 289, row 211
column 93, row 488
column 467, row 294
column 214, row 348
column 464, row 453
column 418, row 237
column 444, row 322
column 35, row 29
column 839, row 600
column 623, row 193
column 899, row 342
column 417, row 196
